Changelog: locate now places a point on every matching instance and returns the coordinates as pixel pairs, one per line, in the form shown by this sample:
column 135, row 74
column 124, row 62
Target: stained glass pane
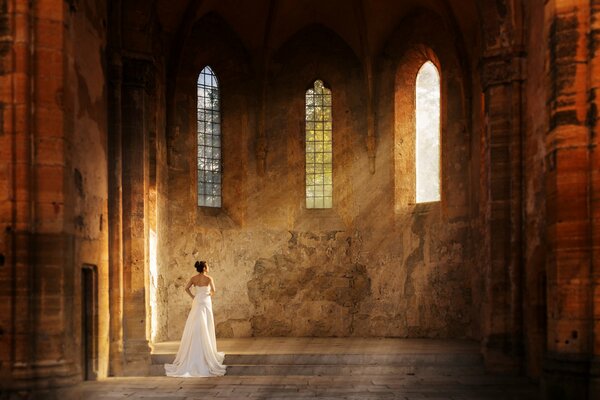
column 209, row 140
column 319, row 157
column 428, row 134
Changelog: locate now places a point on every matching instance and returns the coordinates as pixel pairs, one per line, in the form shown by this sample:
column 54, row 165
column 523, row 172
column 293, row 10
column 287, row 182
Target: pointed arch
column 428, row 123
column 209, row 139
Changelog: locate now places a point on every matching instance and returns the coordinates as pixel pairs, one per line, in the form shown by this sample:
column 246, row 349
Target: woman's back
column 200, row 280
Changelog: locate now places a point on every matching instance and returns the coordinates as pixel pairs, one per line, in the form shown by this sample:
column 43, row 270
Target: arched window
column 319, row 151
column 428, row 134
column 209, row 140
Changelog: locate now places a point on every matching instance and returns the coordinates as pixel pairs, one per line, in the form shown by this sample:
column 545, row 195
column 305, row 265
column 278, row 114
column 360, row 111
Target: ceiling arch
column 261, row 23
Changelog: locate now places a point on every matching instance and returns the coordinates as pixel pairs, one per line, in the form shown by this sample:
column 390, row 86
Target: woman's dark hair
column 200, row 266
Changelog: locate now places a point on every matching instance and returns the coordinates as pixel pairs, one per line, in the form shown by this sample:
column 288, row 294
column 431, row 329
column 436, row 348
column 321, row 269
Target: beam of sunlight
column 153, row 285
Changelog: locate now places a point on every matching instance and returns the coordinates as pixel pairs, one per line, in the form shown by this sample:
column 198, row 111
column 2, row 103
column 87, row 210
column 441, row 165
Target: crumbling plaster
column 366, row 267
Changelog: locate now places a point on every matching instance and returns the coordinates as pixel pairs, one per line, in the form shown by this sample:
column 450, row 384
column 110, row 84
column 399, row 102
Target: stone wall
column 54, row 177
column 534, row 307
column 86, row 109
column 97, row 150
column 374, row 265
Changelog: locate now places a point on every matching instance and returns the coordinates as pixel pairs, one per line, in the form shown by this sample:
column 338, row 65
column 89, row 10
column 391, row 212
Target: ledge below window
column 214, row 217
column 319, row 219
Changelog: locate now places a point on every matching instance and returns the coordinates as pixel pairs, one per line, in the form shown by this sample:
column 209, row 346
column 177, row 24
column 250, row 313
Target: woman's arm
column 187, row 289
column 212, row 287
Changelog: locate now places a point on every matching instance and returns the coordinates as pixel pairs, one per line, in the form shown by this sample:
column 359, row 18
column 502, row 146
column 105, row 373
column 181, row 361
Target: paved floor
column 445, row 383
column 321, row 387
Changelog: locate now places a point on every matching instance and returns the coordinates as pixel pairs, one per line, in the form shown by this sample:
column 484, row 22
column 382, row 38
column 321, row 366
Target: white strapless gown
column 197, row 354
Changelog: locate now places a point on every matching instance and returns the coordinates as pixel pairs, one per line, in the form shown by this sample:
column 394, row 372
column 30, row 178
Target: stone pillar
column 38, row 276
column 136, row 75
column 502, row 79
column 593, row 123
column 15, row 140
column 502, row 324
column 571, row 364
column 115, row 190
column 115, row 215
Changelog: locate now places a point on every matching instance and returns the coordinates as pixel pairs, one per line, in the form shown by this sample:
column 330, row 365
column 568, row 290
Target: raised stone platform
column 338, row 356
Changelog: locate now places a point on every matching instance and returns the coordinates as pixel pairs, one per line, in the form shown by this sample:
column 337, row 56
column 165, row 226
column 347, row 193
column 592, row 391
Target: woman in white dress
column 197, row 354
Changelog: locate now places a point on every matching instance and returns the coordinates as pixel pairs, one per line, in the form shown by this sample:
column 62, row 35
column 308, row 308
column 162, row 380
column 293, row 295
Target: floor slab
column 292, row 387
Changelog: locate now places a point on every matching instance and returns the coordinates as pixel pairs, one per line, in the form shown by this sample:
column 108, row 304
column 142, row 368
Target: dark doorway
column 89, row 322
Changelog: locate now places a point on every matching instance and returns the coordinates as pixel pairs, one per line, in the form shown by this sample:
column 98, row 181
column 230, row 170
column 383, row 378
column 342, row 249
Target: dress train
column 197, row 354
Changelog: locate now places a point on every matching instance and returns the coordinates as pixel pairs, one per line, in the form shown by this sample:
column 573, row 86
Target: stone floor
column 346, row 369
column 302, row 387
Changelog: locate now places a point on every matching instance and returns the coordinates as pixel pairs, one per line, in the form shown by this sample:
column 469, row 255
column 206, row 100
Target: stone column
column 571, row 364
column 115, row 197
column 502, row 323
column 115, row 189
column 593, row 123
column 39, row 315
column 136, row 75
column 15, row 142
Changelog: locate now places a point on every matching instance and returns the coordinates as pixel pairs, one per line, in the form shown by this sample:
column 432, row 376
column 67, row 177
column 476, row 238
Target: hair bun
column 200, row 266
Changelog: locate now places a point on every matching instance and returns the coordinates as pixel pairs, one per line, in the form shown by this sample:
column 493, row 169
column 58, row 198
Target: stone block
column 50, row 151
column 50, row 33
column 570, row 235
column 51, row 217
column 50, row 183
column 49, row 122
column 49, row 10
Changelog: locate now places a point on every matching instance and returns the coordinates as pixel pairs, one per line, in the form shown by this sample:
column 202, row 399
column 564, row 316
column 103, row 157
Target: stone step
column 338, row 357
column 448, row 364
column 157, row 370
column 339, row 370
column 349, row 370
column 445, row 359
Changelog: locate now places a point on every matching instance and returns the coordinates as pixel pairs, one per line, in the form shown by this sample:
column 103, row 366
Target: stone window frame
column 318, row 218
column 404, row 146
column 327, row 87
column 439, row 172
column 220, row 114
column 210, row 42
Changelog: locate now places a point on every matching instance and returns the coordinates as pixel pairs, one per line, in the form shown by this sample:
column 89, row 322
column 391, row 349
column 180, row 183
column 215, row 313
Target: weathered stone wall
column 508, row 255
column 371, row 266
column 572, row 358
column 159, row 217
column 54, row 178
column 535, row 253
column 84, row 101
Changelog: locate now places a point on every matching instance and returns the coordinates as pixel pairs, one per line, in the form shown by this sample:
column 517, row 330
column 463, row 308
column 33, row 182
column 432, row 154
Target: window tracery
column 319, row 150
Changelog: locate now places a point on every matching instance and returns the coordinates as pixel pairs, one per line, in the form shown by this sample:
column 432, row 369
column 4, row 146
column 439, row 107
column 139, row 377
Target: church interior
column 349, row 169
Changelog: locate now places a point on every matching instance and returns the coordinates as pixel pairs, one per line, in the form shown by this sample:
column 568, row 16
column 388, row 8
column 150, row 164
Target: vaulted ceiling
column 264, row 25
column 272, row 22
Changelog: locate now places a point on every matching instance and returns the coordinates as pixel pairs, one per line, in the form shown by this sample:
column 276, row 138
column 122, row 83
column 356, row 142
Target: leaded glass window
column 319, row 150
column 209, row 140
column 428, row 133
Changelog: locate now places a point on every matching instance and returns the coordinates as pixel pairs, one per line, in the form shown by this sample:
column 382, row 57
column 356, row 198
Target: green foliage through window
column 319, row 151
column 209, row 140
